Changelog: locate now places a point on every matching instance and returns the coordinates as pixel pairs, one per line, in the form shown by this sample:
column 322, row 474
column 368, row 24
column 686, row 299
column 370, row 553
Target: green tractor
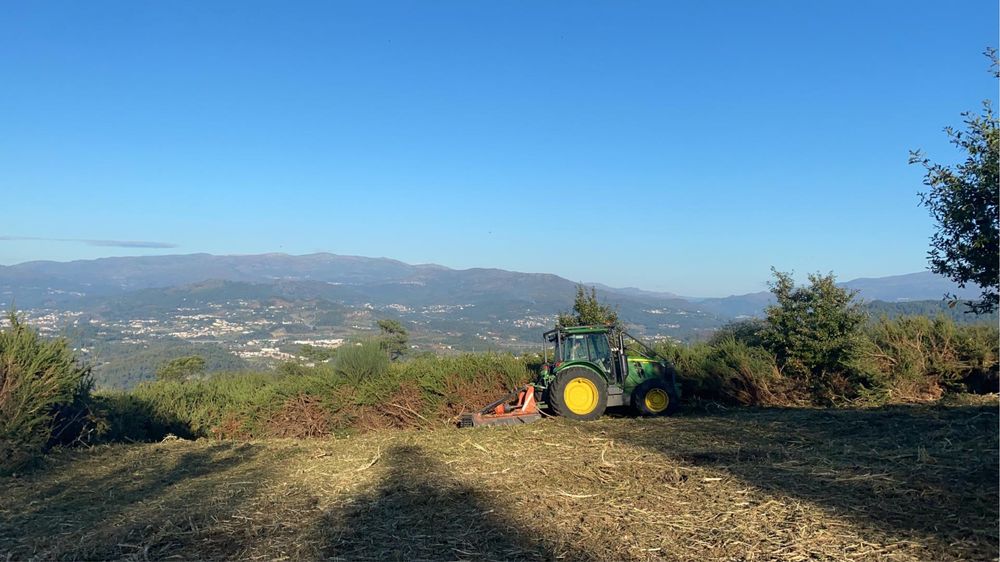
column 598, row 366
column 592, row 368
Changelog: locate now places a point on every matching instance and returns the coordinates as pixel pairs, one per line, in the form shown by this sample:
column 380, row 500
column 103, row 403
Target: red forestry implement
column 515, row 408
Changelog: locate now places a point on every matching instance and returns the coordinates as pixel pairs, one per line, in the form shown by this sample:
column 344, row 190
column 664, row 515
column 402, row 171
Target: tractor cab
column 588, row 346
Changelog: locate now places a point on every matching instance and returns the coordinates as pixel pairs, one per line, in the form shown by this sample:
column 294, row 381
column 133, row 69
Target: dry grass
column 913, row 483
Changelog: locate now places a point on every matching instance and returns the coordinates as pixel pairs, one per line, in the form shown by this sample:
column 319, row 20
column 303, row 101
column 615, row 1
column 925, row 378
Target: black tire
column 643, row 407
column 557, row 394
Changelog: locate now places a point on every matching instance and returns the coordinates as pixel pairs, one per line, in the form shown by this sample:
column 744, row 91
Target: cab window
column 575, row 349
column 587, row 347
column 599, row 348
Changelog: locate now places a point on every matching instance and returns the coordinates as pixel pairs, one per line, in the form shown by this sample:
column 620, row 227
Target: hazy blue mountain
column 910, row 287
column 129, row 273
column 356, row 280
column 127, row 315
column 736, row 306
column 636, row 292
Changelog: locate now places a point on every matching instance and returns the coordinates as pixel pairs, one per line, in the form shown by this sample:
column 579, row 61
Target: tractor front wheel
column 579, row 394
column 654, row 397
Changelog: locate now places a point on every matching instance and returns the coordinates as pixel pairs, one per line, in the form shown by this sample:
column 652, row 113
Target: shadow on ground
column 420, row 512
column 151, row 502
column 916, row 473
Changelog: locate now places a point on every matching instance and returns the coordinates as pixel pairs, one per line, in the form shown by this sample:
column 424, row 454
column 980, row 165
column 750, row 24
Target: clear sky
column 678, row 146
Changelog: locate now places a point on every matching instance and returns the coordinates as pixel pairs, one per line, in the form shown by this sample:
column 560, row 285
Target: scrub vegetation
column 816, row 347
column 876, row 444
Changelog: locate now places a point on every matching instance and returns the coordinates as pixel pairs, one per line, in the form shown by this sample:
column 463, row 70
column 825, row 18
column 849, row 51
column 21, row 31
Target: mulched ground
column 900, row 483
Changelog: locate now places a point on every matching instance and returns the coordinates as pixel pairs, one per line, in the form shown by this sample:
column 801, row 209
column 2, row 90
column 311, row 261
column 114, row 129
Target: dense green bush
column 126, row 416
column 730, row 371
column 749, row 331
column 916, row 357
column 246, row 401
column 45, row 399
column 181, row 368
column 434, row 374
column 362, row 361
column 905, row 359
column 43, row 394
column 360, row 392
column 815, row 334
column 744, row 374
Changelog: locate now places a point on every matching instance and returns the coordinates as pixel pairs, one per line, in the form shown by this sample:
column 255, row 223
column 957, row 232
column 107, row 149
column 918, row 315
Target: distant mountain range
column 128, row 315
column 354, row 278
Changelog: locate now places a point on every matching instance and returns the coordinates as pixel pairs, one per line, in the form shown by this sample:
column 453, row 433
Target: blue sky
column 683, row 146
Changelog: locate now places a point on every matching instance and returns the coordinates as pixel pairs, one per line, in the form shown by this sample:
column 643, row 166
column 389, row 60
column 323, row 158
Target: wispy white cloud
column 105, row 243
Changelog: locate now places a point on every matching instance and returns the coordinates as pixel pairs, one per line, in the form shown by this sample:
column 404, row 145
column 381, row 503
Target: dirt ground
column 901, row 483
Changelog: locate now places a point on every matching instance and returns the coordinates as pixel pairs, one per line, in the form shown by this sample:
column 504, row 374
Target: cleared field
column 902, row 483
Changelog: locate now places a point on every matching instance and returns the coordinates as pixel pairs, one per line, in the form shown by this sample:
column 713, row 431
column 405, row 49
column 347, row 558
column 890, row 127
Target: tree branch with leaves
column 963, row 201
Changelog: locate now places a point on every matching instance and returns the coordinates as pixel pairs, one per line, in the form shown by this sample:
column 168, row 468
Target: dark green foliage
column 963, row 201
column 728, row 370
column 246, row 401
column 587, row 310
column 43, row 394
column 816, row 346
column 181, row 369
column 930, row 309
column 423, row 390
column 296, row 369
column 131, row 416
column 329, row 319
column 318, row 354
column 361, row 361
column 743, row 374
column 394, row 338
column 746, row 331
column 906, row 359
column 916, row 357
column 436, row 374
column 815, row 334
column 122, row 366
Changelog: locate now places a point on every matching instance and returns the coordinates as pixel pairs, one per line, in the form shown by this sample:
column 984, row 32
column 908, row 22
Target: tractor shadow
column 419, row 512
column 920, row 473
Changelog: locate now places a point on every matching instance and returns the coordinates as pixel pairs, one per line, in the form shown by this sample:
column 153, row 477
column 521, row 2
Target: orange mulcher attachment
column 515, row 408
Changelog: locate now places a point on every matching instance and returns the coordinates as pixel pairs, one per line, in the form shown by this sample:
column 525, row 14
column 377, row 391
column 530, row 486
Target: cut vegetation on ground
column 898, row 483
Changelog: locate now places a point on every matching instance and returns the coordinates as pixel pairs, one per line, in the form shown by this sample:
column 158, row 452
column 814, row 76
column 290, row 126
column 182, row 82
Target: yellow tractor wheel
column 654, row 397
column 579, row 394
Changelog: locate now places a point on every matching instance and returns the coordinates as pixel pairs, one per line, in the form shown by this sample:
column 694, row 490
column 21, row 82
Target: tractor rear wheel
column 654, row 397
column 579, row 394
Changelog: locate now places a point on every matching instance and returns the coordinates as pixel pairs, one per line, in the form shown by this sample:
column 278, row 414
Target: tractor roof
column 582, row 329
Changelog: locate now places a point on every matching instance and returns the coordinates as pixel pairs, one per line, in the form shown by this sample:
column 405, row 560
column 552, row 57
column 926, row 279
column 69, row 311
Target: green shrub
column 689, row 361
column 361, row 362
column 746, row 375
column 181, row 368
column 434, row 373
column 916, row 357
column 359, row 394
column 466, row 382
column 730, row 371
column 196, row 408
column 43, row 394
column 815, row 333
column 126, row 416
column 749, row 331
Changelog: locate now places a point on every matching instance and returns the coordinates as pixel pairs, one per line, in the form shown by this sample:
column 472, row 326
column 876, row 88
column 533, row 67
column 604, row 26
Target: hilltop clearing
column 899, row 483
